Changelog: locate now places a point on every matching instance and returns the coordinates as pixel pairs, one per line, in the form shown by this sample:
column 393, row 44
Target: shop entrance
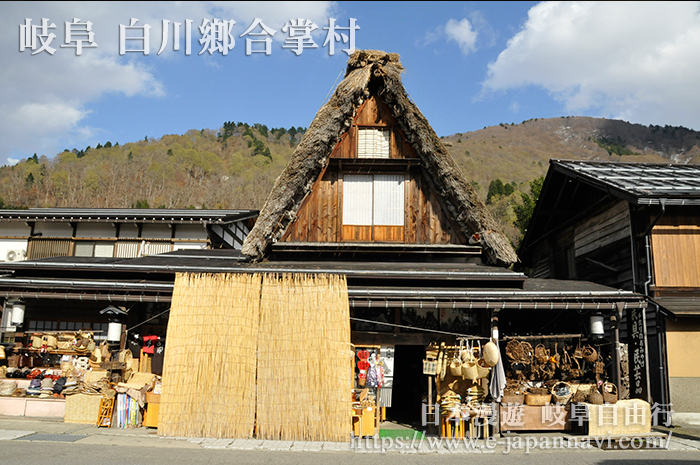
column 409, row 385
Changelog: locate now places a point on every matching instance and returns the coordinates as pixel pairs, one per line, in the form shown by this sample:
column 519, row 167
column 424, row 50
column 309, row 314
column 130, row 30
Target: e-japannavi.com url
column 506, row 445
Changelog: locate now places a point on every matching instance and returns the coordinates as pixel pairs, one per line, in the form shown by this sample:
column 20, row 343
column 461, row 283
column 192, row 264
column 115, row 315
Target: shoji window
column 373, row 200
column 373, row 143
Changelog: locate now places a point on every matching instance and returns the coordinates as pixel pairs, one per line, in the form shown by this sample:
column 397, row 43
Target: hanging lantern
column 17, row 318
column 114, row 331
column 116, row 316
column 597, row 327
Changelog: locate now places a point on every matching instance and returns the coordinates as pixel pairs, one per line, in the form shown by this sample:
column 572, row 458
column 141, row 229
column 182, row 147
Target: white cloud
column 46, row 98
column 638, row 61
column 462, row 33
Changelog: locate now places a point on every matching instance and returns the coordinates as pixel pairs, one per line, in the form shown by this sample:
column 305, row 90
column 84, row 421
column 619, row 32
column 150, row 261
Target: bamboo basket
column 595, row 398
column 82, row 408
column 609, row 393
column 589, row 354
column 563, row 400
column 538, row 399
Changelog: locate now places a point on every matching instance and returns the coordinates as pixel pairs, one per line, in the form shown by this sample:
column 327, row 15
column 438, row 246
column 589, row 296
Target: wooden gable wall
column 319, row 218
column 675, row 244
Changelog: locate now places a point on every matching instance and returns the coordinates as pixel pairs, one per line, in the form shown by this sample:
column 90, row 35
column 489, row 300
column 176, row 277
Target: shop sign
column 638, row 360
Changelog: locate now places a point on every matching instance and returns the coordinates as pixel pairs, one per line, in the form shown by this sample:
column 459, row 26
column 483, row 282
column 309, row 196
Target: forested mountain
column 236, row 165
column 230, row 168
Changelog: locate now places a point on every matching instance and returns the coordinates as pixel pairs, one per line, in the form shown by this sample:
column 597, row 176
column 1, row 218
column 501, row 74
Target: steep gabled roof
column 381, row 71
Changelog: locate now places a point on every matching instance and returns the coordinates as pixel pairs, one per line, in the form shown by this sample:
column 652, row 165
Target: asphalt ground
column 31, row 441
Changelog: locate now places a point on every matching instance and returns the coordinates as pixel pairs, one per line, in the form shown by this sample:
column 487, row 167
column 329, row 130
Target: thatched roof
column 383, row 71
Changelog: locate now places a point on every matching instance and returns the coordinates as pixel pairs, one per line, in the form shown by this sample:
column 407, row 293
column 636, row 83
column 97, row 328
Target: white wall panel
column 357, row 199
column 388, row 200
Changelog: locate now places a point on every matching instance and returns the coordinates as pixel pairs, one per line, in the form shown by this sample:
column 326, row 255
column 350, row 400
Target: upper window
column 373, row 200
column 94, row 249
column 373, row 143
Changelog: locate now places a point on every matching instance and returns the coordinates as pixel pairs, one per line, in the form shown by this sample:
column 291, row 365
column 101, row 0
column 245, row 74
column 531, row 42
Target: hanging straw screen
column 304, row 359
column 208, row 385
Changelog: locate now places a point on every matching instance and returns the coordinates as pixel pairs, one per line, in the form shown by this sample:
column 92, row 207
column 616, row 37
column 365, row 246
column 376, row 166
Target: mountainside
column 236, row 166
column 521, row 152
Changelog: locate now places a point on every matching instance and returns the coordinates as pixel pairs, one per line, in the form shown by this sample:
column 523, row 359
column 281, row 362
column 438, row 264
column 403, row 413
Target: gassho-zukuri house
column 371, row 255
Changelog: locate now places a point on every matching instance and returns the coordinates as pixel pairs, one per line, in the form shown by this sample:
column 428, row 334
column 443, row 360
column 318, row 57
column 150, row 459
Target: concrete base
column 29, row 407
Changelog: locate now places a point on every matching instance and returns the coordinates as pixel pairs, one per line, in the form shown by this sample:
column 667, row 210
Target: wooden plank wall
column 320, row 217
column 601, row 247
column 541, row 267
column 675, row 252
column 603, row 229
column 374, row 113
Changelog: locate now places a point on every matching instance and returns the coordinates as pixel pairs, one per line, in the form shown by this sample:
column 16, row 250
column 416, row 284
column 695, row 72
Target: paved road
column 34, row 441
column 19, row 453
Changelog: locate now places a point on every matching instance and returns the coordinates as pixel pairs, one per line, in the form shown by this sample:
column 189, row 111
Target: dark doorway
column 410, row 385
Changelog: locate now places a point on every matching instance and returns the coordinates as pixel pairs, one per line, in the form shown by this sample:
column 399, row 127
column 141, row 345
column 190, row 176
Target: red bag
column 149, row 344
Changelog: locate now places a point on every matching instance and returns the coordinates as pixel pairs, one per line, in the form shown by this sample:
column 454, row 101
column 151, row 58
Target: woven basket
column 432, row 351
column 541, row 353
column 563, row 400
column 455, row 367
column 470, row 371
column 82, row 408
column 579, row 397
column 595, row 398
column 50, row 341
column 589, row 354
column 609, row 393
column 538, row 399
column 482, row 368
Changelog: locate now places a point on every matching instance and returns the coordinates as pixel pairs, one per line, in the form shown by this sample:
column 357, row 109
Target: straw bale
column 304, row 359
column 208, row 382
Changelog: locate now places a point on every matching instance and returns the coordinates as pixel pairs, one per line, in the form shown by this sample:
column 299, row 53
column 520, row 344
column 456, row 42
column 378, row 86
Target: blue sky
column 468, row 65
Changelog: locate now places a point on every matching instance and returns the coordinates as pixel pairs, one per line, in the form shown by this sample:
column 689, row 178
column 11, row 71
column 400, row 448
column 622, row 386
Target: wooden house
column 372, row 194
column 633, row 226
column 38, row 233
